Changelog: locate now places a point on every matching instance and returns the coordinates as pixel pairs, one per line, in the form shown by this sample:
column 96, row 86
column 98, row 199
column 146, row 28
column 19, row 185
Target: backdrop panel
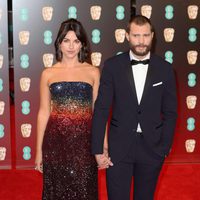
column 35, row 26
column 5, row 145
column 177, row 30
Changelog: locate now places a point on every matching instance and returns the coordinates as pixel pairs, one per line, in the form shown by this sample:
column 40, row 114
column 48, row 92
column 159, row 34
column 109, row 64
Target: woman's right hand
column 38, row 162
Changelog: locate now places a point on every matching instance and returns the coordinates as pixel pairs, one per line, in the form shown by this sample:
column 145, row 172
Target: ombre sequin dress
column 69, row 169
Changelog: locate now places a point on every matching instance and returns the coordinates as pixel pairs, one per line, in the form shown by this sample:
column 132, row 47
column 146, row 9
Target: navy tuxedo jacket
column 156, row 113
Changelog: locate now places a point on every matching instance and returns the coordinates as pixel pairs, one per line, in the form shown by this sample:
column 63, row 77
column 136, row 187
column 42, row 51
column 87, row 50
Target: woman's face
column 71, row 45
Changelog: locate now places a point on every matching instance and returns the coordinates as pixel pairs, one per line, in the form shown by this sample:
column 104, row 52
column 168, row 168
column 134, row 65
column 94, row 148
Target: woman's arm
column 43, row 116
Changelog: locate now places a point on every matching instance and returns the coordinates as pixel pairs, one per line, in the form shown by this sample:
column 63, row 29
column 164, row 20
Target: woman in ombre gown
column 67, row 93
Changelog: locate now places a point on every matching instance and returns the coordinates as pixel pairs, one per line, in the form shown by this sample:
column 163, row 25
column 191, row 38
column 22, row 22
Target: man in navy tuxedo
column 141, row 90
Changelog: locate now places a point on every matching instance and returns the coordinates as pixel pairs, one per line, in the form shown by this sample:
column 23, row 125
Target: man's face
column 140, row 39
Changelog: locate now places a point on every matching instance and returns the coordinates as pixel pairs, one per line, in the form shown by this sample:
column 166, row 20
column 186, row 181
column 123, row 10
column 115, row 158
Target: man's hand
column 103, row 161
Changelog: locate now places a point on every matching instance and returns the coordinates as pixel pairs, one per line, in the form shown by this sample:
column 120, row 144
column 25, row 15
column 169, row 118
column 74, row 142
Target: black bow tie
column 144, row 62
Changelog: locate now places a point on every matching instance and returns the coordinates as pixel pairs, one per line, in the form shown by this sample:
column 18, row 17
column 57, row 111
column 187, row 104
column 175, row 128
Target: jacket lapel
column 148, row 81
column 129, row 74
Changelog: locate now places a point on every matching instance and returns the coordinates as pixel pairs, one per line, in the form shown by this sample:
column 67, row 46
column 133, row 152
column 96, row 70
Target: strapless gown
column 69, row 169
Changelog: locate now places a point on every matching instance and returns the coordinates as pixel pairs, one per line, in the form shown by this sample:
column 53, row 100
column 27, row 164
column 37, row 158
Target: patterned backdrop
column 177, row 30
column 5, row 146
column 35, row 27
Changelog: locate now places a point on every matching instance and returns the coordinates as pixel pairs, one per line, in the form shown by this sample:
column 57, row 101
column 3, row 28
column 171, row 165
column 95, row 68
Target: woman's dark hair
column 76, row 26
column 139, row 20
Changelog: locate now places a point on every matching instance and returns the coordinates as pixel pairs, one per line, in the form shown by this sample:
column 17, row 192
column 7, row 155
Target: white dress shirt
column 139, row 74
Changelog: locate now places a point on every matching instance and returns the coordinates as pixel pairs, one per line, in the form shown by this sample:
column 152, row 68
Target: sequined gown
column 69, row 169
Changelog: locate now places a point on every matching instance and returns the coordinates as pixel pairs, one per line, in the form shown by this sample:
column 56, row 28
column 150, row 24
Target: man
column 140, row 87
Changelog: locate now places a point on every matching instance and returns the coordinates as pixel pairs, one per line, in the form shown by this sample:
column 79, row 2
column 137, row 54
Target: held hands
column 103, row 160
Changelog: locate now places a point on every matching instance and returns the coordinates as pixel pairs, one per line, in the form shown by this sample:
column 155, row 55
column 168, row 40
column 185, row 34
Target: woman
column 67, row 94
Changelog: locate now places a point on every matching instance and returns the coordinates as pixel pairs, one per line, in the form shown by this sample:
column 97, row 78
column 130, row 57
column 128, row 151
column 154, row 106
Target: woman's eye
column 65, row 40
column 77, row 41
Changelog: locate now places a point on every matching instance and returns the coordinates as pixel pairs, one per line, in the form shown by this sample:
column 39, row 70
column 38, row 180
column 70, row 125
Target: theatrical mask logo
column 2, row 153
column 25, row 83
column 1, row 61
column 146, row 11
column 169, row 34
column 192, row 57
column 26, row 130
column 191, row 101
column 192, row 11
column 2, row 107
column 47, row 13
column 95, row 12
column 48, row 59
column 190, row 145
column 24, row 37
column 96, row 58
column 120, row 35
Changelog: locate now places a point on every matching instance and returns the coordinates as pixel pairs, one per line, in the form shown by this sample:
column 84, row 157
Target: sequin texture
column 70, row 170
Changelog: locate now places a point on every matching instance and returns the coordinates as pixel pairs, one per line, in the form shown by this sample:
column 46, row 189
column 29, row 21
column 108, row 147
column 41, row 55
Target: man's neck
column 147, row 56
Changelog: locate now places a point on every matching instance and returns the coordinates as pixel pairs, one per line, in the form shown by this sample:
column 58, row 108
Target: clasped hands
column 103, row 160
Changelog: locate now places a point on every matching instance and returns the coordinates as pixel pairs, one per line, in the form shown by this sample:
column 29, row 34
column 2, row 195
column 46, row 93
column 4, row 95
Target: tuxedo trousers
column 141, row 164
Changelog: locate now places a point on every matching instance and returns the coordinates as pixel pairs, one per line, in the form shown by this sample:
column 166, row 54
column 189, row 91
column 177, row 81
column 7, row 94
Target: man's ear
column 127, row 36
column 152, row 35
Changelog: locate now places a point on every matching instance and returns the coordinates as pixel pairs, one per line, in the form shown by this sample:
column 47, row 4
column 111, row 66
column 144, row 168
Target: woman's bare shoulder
column 48, row 72
column 93, row 69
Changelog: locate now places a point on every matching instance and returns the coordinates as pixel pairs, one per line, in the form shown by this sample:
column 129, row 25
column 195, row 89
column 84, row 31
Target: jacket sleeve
column 169, row 112
column 102, row 109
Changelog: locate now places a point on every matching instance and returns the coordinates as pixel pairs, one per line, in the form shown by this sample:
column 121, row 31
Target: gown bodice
column 71, row 98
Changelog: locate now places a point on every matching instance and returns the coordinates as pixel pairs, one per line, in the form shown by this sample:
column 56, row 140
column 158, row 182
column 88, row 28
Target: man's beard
column 139, row 53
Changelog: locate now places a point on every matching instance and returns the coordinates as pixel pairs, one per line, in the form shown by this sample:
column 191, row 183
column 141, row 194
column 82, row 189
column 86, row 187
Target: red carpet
column 177, row 182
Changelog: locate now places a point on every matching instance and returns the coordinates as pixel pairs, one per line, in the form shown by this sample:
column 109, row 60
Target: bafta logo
column 192, row 11
column 47, row 13
column 2, row 153
column 191, row 101
column 146, row 11
column 1, row 61
column 24, row 37
column 25, row 84
column 26, row 130
column 190, row 145
column 169, row 34
column 120, row 35
column 2, row 107
column 95, row 12
column 48, row 59
column 96, row 58
column 192, row 57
